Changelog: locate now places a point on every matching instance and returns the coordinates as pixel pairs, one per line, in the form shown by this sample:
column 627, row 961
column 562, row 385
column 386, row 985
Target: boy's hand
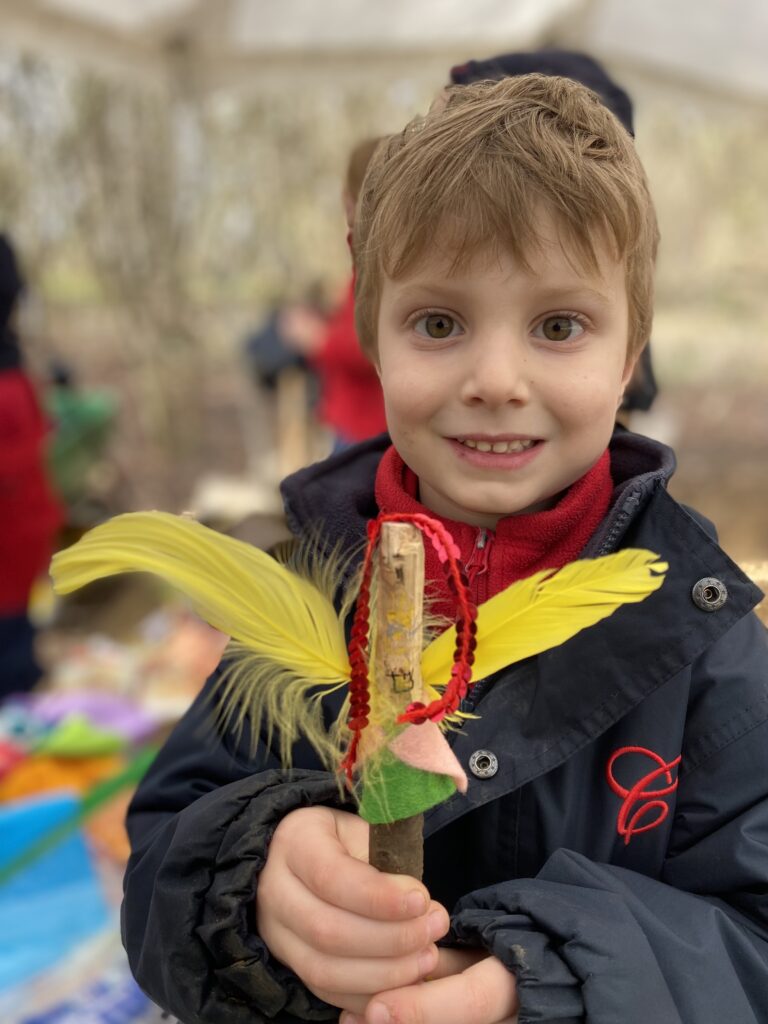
column 467, row 987
column 347, row 930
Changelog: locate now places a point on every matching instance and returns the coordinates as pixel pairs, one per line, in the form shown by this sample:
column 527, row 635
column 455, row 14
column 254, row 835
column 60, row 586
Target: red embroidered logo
column 649, row 800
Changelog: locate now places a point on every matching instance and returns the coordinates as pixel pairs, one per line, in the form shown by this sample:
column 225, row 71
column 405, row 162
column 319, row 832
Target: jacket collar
column 333, row 500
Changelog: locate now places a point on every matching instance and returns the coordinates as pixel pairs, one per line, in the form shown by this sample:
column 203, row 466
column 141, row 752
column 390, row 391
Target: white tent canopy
column 247, row 42
column 716, row 44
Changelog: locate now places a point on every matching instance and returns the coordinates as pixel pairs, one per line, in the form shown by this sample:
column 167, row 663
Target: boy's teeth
column 498, row 447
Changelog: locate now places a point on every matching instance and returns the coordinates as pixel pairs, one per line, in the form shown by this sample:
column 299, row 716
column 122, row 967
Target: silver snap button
column 483, row 764
column 709, row 594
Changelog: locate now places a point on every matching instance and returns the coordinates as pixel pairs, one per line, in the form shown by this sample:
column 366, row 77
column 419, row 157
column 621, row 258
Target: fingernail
column 377, row 1013
column 416, row 903
column 350, row 1018
column 437, row 927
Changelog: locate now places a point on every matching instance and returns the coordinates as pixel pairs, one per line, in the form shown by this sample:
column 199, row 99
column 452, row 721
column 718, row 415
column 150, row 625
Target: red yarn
column 464, row 655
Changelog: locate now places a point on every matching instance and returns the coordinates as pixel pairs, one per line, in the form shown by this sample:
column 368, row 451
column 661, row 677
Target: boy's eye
column 436, row 325
column 560, row 328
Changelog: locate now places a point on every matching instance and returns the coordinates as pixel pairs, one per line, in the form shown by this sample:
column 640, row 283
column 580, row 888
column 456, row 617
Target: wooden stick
column 292, row 421
column 398, row 847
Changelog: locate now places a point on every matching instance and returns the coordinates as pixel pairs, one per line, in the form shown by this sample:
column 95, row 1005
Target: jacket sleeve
column 600, row 943
column 200, row 826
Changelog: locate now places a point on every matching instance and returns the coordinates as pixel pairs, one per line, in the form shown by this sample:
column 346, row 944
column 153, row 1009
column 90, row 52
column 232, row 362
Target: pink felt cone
column 425, row 747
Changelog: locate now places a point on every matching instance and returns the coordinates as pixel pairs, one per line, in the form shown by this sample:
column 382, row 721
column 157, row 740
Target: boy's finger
column 314, row 843
column 454, row 961
column 334, row 931
column 361, row 976
column 352, row 1006
column 337, row 932
column 338, row 878
column 485, row 993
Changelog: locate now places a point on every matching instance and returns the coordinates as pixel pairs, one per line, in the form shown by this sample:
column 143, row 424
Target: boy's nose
column 497, row 373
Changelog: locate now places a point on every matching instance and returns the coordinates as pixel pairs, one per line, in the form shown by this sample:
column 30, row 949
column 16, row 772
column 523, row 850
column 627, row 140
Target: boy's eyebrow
column 574, row 293
column 424, row 292
column 555, row 294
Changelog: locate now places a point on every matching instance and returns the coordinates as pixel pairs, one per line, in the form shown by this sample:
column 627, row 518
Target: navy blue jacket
column 617, row 859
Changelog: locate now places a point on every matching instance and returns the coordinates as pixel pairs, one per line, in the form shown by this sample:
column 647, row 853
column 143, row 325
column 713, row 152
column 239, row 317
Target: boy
column 609, row 860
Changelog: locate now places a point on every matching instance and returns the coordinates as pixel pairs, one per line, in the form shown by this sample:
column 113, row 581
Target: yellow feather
column 273, row 698
column 546, row 610
column 235, row 587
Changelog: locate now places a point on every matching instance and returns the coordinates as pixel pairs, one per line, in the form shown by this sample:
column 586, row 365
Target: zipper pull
column 478, row 562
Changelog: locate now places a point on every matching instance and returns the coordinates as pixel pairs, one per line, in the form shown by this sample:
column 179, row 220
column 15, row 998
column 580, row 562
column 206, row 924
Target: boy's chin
column 485, row 513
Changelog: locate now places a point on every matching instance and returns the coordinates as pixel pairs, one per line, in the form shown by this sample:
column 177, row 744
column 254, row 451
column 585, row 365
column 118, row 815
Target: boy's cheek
column 588, row 397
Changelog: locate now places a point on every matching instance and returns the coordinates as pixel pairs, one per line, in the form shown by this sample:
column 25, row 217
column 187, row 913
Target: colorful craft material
column 54, row 901
column 19, row 724
column 108, row 711
column 77, row 736
column 46, row 839
column 10, row 755
column 37, row 773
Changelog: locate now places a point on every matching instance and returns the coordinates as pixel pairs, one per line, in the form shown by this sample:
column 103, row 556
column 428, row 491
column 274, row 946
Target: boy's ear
column 626, row 377
column 629, row 369
column 373, row 359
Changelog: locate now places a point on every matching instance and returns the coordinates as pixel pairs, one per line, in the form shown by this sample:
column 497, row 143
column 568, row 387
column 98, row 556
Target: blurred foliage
column 160, row 207
column 707, row 161
column 158, row 193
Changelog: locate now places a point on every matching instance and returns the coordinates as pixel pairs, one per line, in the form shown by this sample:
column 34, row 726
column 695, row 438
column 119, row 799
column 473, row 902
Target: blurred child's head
column 357, row 165
column 558, row 63
column 480, row 168
column 11, row 283
column 504, row 250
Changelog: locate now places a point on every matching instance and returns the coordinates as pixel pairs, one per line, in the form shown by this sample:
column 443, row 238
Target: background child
column 30, row 515
column 608, row 861
column 350, row 400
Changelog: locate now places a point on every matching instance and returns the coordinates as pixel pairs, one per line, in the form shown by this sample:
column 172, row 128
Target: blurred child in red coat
column 351, row 402
column 30, row 515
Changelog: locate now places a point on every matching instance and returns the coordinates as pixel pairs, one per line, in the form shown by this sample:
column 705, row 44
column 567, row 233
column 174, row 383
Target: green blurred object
column 77, row 736
column 83, row 422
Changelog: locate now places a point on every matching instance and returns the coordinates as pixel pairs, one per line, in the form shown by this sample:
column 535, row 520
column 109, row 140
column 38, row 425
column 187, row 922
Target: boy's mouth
column 498, row 447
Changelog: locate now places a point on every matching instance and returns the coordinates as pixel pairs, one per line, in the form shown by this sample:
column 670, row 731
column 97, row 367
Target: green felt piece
column 394, row 790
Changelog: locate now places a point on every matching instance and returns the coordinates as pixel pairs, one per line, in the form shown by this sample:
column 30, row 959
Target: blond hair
column 482, row 164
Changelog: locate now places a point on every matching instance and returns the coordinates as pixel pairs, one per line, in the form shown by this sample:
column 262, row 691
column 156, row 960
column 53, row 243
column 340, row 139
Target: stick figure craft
column 405, row 680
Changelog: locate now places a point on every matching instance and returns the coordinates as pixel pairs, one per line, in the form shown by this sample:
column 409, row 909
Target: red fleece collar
column 519, row 546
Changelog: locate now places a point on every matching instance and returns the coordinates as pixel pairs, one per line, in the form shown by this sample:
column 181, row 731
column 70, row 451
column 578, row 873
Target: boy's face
column 501, row 385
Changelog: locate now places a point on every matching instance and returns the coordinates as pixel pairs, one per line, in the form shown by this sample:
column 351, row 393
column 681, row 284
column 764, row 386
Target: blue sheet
column 56, row 902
